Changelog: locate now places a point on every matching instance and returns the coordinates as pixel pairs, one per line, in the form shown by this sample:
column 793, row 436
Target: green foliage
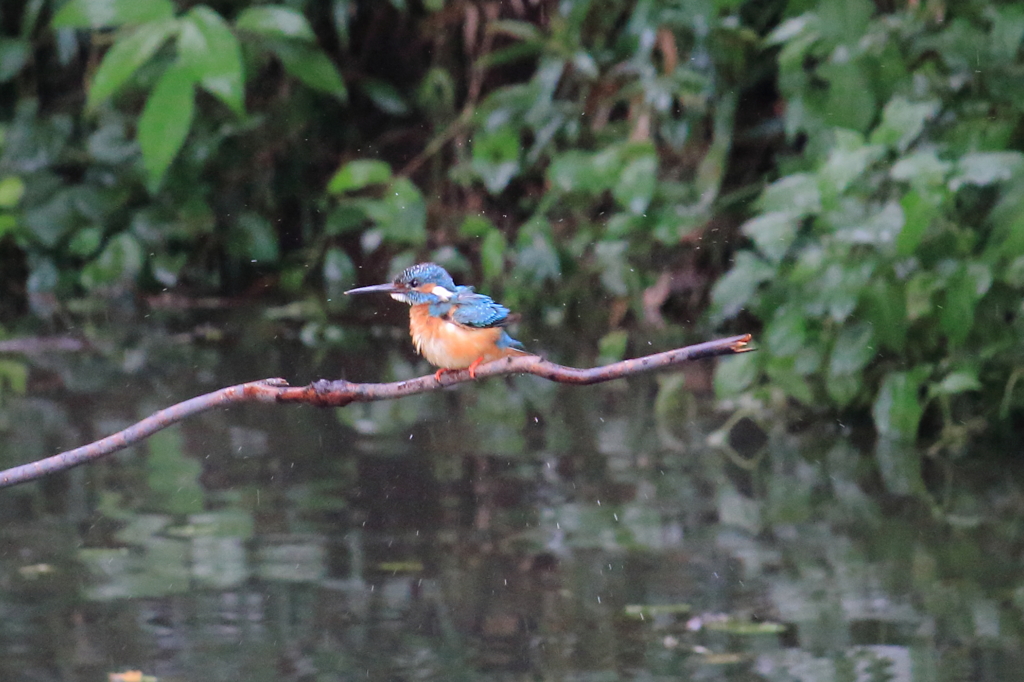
column 884, row 258
column 576, row 174
column 587, row 163
column 208, row 55
column 81, row 219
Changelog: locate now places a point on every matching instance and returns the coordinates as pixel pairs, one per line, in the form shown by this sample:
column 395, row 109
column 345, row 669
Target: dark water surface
column 507, row 530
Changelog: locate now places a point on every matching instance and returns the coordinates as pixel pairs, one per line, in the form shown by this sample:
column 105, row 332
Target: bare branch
column 340, row 393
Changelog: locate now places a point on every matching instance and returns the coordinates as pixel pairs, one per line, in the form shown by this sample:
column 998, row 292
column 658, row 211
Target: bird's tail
column 512, row 347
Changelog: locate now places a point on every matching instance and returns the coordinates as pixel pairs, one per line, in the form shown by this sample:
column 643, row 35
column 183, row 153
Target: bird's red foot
column 473, row 366
column 438, row 373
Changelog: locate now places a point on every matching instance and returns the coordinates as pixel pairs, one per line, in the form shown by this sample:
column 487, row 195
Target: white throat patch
column 441, row 292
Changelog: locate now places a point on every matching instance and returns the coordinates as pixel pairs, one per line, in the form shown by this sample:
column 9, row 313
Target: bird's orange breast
column 447, row 345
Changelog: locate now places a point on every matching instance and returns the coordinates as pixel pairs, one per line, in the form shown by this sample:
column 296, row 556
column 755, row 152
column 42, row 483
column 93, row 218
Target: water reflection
column 507, row 530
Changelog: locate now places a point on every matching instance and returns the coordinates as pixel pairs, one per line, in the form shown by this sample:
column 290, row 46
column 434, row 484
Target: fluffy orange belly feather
column 449, row 346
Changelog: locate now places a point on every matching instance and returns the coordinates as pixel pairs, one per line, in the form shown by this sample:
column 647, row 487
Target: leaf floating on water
column 651, row 610
column 35, row 571
column 735, row 626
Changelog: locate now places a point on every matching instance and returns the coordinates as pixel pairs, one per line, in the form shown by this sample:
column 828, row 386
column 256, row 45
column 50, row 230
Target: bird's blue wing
column 471, row 309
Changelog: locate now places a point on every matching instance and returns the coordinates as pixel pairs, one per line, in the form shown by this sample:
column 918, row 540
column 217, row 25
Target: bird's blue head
column 417, row 284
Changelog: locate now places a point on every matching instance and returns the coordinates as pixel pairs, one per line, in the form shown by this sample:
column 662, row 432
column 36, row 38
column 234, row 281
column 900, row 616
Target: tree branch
column 340, row 393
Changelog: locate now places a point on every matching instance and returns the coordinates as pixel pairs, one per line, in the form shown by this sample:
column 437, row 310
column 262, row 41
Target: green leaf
column 848, row 160
column 15, row 375
column 14, row 55
column 119, row 262
column 844, row 21
column 523, row 30
column 773, row 233
column 843, row 389
column 492, row 255
column 985, row 168
column 853, row 349
column 476, row 226
column 879, row 230
column 165, row 121
column 577, row 171
column 782, row 373
column 735, row 374
column 103, row 13
column 275, row 21
column 1013, row 274
column 921, row 169
column 84, row 243
column 311, row 66
column 347, row 216
column 956, row 382
column 1007, row 217
column 613, row 264
column 496, row 158
column 635, row 186
column 211, row 51
column 132, row 50
column 1007, row 31
column 11, row 190
column 48, row 221
column 956, row 316
column 903, row 121
column 385, row 96
column 401, row 213
column 339, row 273
column 849, row 102
column 840, row 286
column 790, row 29
column 737, row 287
column 898, row 408
column 885, row 308
column 794, row 194
column 612, row 346
column 786, row 334
column 166, row 267
column 252, row 238
column 536, row 255
column 7, row 224
column 919, row 211
column 359, row 174
column 436, row 94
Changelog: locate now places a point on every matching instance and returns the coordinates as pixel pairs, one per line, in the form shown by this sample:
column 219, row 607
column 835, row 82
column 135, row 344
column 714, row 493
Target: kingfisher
column 452, row 326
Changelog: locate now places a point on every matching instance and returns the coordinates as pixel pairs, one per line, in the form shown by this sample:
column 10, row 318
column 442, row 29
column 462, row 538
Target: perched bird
column 452, row 326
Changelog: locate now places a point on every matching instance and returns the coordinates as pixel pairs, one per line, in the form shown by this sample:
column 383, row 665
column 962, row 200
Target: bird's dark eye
column 413, row 283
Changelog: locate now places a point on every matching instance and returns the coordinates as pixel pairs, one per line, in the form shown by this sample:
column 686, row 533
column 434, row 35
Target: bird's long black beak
column 388, row 288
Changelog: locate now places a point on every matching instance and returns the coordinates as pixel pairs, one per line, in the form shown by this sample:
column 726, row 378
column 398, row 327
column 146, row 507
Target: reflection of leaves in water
column 173, row 478
column 608, row 527
column 117, row 573
column 292, row 559
column 807, row 543
column 495, row 415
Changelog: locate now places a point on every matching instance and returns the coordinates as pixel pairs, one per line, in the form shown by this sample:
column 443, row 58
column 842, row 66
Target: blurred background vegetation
column 841, row 177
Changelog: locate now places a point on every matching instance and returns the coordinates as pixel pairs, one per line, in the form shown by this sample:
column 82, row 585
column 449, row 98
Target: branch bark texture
column 340, row 393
